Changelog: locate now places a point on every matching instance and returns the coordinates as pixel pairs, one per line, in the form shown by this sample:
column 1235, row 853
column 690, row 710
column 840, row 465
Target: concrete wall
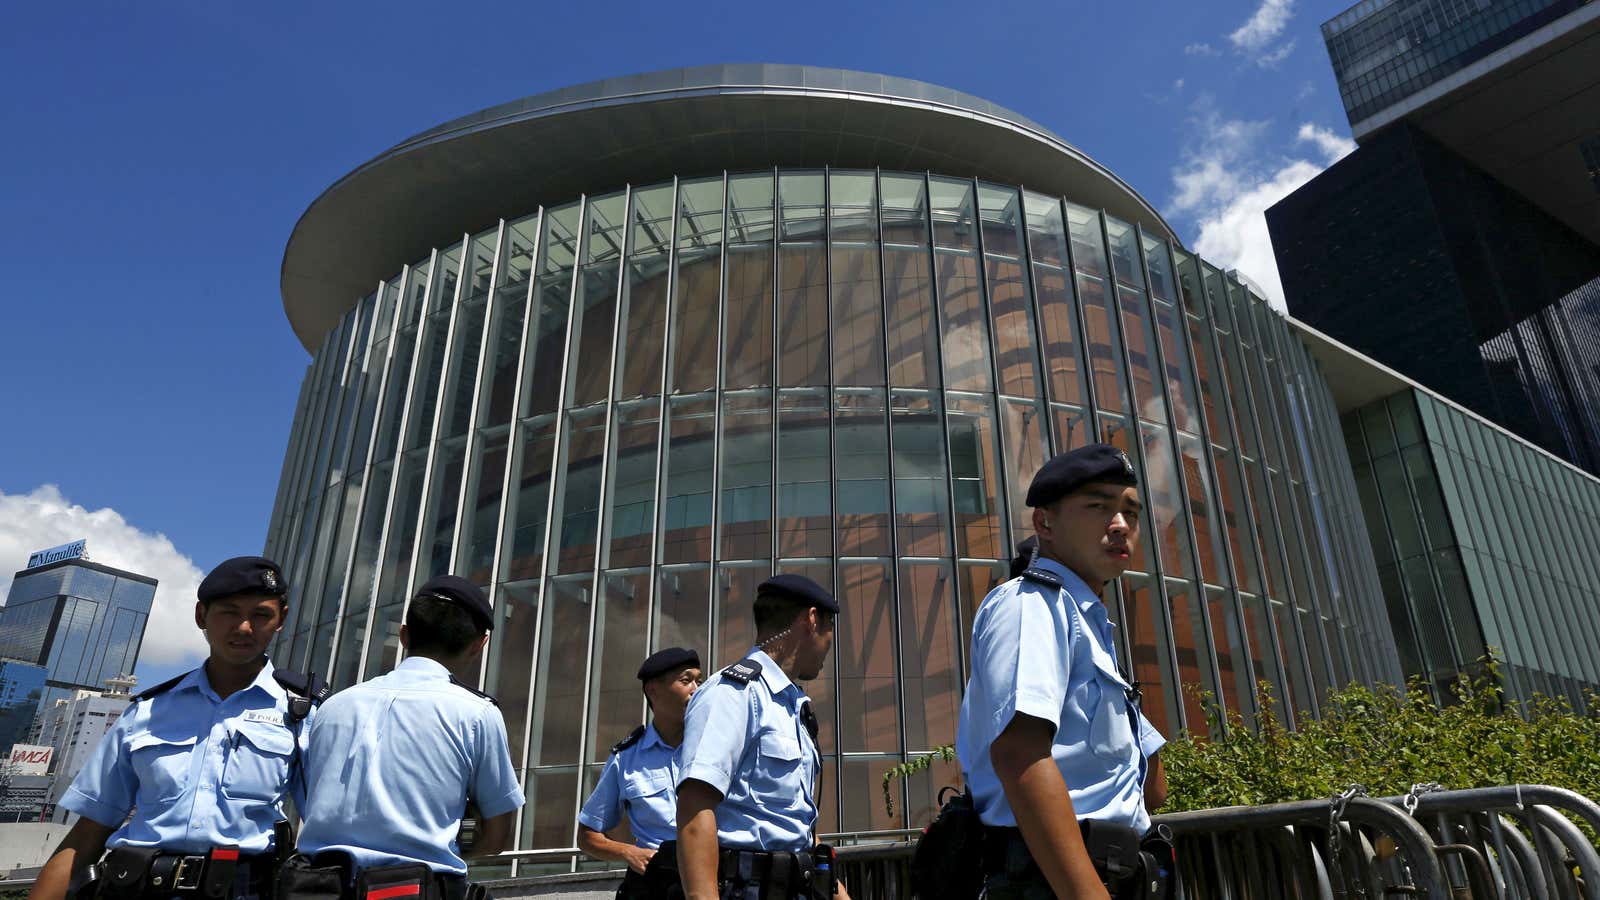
column 26, row 845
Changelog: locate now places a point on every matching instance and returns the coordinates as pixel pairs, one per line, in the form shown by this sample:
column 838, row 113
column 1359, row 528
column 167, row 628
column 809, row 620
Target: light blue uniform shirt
column 748, row 742
column 1048, row 653
column 197, row 770
column 390, row 764
column 641, row 781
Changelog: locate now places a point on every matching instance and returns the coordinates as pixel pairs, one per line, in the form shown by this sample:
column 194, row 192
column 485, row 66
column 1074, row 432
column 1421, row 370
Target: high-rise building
column 1460, row 242
column 621, row 351
column 80, row 620
column 73, row 727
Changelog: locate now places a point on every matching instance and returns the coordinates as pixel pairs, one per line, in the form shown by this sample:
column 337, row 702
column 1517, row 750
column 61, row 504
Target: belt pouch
column 220, row 867
column 1113, row 848
column 299, row 879
column 823, row 861
column 126, row 869
column 408, row 881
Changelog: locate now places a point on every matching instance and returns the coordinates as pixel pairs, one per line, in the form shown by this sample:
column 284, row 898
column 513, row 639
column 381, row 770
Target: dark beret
column 669, row 660
column 1071, row 470
column 1025, row 553
column 243, row 575
column 800, row 588
column 463, row 593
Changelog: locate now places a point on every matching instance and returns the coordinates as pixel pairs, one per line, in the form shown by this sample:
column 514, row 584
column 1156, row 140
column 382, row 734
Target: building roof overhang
column 1520, row 113
column 508, row 160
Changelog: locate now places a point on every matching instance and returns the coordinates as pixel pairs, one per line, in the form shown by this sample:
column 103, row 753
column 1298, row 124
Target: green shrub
column 1385, row 739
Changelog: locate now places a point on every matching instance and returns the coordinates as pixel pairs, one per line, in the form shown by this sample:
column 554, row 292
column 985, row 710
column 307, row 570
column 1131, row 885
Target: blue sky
column 157, row 156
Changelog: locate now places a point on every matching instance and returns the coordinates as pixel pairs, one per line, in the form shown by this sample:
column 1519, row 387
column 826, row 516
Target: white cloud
column 1226, row 183
column 44, row 518
column 1271, row 60
column 1264, row 25
column 1334, row 147
column 1177, row 85
column 1201, row 48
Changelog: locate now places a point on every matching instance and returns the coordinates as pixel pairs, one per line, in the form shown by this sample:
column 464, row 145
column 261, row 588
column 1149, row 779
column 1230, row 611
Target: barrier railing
column 1522, row 842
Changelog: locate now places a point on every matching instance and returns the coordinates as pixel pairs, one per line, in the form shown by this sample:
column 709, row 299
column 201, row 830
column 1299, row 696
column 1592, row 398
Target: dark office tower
column 81, row 620
column 1460, row 243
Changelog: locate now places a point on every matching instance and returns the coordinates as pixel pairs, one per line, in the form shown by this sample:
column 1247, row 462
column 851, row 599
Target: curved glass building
column 620, row 352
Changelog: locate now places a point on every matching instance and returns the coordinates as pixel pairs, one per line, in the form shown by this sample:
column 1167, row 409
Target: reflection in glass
column 966, row 325
column 930, row 673
column 687, row 478
column 861, row 454
column 921, row 498
column 857, row 315
column 802, row 205
column 1148, row 647
column 621, row 633
column 865, row 642
column 905, row 209
column 805, row 508
column 683, row 614
column 913, row 331
column 558, row 693
column 577, row 512
column 748, row 319
column 644, row 318
column 511, row 649
column 736, row 594
column 802, row 315
column 696, row 304
column 1027, row 443
column 746, row 472
column 632, row 474
column 975, row 473
column 531, row 499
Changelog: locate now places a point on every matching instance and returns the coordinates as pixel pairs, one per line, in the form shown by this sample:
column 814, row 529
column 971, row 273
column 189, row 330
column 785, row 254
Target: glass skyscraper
column 624, row 350
column 81, row 620
column 1384, row 51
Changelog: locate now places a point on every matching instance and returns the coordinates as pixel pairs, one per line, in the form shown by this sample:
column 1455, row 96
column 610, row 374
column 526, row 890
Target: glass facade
column 21, row 688
column 1386, row 50
column 619, row 414
column 82, row 621
column 1449, row 501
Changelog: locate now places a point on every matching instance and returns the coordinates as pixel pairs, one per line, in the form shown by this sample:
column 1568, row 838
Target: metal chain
column 1414, row 796
column 1336, row 806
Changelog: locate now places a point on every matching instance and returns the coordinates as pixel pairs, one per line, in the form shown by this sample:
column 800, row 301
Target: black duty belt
column 764, row 866
column 135, row 872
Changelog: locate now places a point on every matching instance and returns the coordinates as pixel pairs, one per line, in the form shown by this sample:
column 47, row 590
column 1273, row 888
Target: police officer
column 749, row 761
column 203, row 762
column 1050, row 732
column 393, row 762
column 640, row 781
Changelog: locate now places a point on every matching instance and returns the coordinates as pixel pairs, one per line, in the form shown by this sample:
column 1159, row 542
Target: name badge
column 270, row 716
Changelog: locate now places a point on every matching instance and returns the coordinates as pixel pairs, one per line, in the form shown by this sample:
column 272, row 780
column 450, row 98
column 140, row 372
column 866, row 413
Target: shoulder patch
column 311, row 687
column 633, row 737
column 159, row 689
column 1042, row 576
column 742, row 672
column 472, row 690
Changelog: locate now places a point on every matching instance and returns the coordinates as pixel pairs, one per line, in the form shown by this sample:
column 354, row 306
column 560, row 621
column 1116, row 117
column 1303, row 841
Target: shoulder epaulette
column 742, row 672
column 633, row 737
column 305, row 691
column 1042, row 576
column 159, row 689
column 472, row 690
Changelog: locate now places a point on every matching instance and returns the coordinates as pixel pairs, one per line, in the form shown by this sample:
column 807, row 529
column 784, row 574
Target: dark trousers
column 660, row 880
